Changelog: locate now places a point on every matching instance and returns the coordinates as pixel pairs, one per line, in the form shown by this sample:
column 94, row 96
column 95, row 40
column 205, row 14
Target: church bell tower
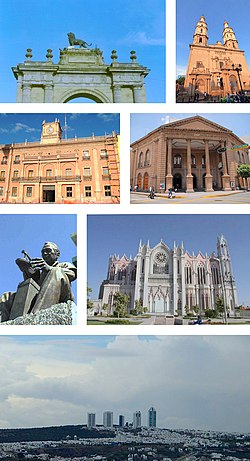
column 229, row 37
column 201, row 32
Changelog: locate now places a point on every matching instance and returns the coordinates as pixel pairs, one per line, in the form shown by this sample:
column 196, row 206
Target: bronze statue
column 77, row 41
column 48, row 279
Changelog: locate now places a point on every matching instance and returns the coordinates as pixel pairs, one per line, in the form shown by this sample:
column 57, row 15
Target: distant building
column 108, row 419
column 216, row 69
column 152, row 417
column 136, row 419
column 91, row 420
column 121, row 421
column 172, row 281
column 56, row 170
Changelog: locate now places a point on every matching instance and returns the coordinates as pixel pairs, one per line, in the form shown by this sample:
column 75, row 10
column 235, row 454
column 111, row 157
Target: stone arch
column 93, row 94
column 233, row 83
column 201, row 86
column 140, row 161
column 139, row 181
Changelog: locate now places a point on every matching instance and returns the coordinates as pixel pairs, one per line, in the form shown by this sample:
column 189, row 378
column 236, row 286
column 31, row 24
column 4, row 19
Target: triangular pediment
column 197, row 123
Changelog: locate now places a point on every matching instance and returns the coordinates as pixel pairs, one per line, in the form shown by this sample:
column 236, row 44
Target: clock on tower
column 51, row 132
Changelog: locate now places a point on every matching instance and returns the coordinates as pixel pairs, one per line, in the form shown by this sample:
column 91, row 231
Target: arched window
column 193, row 160
column 203, row 160
column 177, row 161
column 201, row 275
column 147, row 158
column 188, row 275
column 140, row 163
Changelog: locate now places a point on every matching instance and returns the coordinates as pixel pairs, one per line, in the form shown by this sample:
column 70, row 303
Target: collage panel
column 191, row 158
column 163, row 269
column 68, row 158
column 117, row 57
column 184, row 399
column 38, row 280
column 212, row 52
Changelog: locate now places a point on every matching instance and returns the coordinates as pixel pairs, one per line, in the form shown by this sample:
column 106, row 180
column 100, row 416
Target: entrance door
column 159, row 304
column 177, row 181
column 49, row 194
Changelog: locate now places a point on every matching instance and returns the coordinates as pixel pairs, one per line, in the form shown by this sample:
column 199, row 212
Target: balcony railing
column 106, row 176
column 4, row 162
column 46, row 178
column 87, row 177
column 2, row 178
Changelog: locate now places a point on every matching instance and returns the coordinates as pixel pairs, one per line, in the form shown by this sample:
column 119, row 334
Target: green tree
column 244, row 170
column 220, row 308
column 120, row 304
column 89, row 302
column 181, row 80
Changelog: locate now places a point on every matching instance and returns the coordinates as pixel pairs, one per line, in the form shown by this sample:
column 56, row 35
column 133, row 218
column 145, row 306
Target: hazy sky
column 189, row 13
column 15, row 128
column 142, row 124
column 122, row 233
column 193, row 382
column 121, row 25
column 29, row 232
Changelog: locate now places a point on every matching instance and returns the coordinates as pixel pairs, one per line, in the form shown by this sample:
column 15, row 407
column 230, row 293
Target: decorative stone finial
column 49, row 55
column 114, row 55
column 29, row 54
column 133, row 56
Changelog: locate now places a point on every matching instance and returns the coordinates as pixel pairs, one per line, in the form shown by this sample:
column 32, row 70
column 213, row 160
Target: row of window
column 48, row 173
column 146, row 160
column 69, row 191
column 85, row 156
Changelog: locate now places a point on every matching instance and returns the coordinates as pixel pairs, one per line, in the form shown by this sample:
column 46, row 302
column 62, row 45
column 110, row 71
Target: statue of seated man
column 53, row 277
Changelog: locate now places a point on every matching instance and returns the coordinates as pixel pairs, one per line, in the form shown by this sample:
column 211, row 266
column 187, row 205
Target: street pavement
column 220, row 197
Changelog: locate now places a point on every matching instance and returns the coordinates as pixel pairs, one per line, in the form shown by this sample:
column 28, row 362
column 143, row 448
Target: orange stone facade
column 56, row 170
column 216, row 69
column 190, row 154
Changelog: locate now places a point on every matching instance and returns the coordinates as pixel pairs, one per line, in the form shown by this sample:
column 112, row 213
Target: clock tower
column 51, row 132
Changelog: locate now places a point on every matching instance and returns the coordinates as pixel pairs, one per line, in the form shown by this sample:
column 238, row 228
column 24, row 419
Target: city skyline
column 198, row 233
column 55, row 380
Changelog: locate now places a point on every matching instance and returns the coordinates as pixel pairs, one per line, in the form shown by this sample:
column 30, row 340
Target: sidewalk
column 191, row 195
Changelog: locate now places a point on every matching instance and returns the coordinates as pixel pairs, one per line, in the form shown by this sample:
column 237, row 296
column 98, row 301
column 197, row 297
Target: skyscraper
column 152, row 417
column 108, row 419
column 121, row 421
column 136, row 419
column 91, row 420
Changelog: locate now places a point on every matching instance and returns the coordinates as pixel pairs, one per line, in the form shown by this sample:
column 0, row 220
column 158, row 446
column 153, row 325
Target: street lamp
column 238, row 69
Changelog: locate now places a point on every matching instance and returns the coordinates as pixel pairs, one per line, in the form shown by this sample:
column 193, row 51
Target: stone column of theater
column 208, row 177
column 135, row 160
column 117, row 93
column 48, row 93
column 146, row 274
column 26, row 92
column 159, row 160
column 137, row 92
column 138, row 274
column 37, row 184
column 58, row 184
column 169, row 177
column 189, row 177
column 225, row 176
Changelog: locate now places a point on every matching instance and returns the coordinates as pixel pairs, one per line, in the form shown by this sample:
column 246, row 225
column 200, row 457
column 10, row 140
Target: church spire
column 201, row 32
column 229, row 37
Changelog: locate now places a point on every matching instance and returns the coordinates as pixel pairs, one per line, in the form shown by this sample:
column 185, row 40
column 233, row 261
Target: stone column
column 26, row 92
column 19, row 89
column 137, row 92
column 183, row 285
column 169, row 177
column 175, row 294
column 225, row 176
column 117, row 93
column 48, row 93
column 189, row 177
column 208, row 177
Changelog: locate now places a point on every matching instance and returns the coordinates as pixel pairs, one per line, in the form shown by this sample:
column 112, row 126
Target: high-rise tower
column 152, row 417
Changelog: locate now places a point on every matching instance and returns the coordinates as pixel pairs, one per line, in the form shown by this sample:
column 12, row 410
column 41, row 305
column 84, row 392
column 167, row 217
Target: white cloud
column 181, row 70
column 141, row 38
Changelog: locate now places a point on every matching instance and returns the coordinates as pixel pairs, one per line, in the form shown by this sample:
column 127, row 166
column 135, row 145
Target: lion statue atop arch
column 77, row 41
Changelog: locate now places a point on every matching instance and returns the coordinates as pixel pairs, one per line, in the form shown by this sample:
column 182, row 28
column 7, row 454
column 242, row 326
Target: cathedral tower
column 201, row 32
column 229, row 38
column 227, row 278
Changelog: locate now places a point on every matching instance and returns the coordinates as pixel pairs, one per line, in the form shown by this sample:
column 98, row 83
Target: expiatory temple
column 171, row 281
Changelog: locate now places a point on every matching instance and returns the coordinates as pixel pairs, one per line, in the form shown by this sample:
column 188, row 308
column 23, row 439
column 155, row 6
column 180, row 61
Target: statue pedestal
column 26, row 291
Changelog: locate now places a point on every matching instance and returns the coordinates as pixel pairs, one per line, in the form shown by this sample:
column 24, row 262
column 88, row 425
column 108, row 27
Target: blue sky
column 15, row 128
column 142, row 124
column 123, row 25
column 216, row 12
column 122, row 233
column 55, row 380
column 29, row 232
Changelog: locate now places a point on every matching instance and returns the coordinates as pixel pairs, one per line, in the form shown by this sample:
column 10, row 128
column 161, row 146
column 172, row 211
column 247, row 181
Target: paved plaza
column 220, row 197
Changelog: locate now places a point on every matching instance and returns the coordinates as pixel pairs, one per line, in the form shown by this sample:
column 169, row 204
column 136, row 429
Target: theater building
column 57, row 170
column 191, row 154
column 216, row 69
column 172, row 281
